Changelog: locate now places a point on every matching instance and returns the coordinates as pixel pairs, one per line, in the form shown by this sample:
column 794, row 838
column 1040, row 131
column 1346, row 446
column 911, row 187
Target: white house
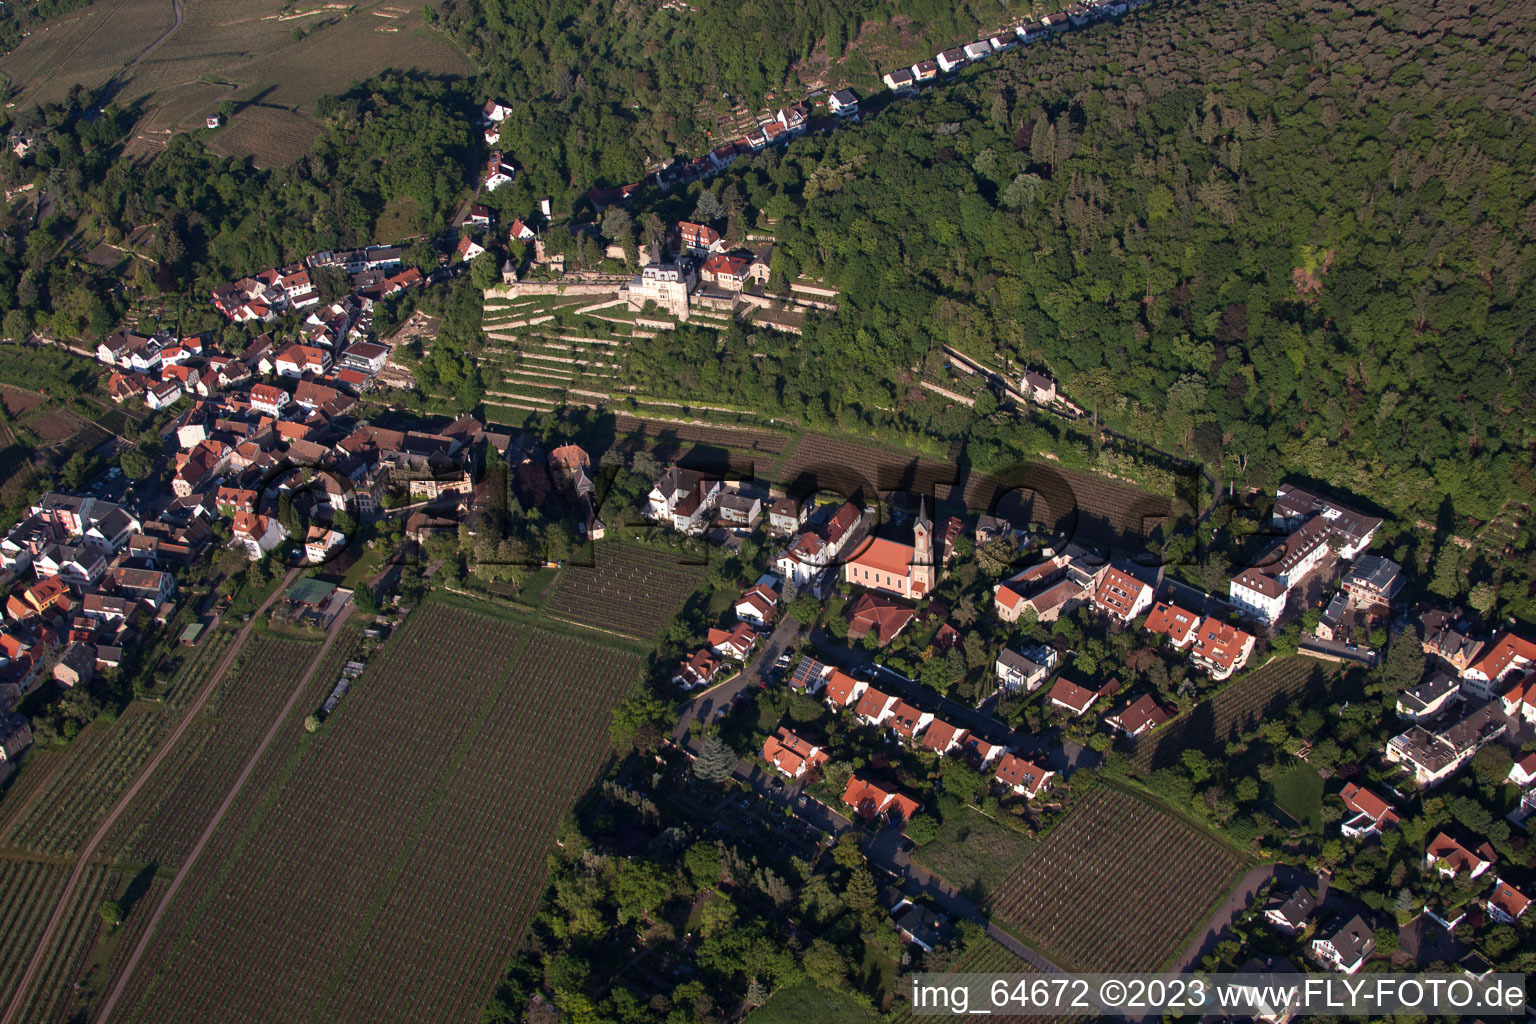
column 257, row 534
column 1346, row 947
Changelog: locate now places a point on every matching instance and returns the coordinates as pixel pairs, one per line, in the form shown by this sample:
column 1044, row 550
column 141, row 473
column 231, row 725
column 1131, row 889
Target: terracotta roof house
column 1372, row 814
column 792, row 755
column 1169, row 620
column 943, row 738
column 1506, row 904
column 906, row 721
column 1138, row 718
column 758, row 605
column 1023, row 777
column 872, row 800
column 874, row 707
column 883, row 616
column 1220, row 649
column 842, row 689
column 1450, row 859
column 734, row 643
column 1069, row 696
column 698, row 669
column 1121, row 596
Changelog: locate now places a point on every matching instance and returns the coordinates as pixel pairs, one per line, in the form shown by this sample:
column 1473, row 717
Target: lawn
column 972, row 850
column 1299, row 793
column 809, row 1003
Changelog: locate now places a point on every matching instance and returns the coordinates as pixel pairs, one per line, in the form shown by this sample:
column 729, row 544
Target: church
column 906, row 570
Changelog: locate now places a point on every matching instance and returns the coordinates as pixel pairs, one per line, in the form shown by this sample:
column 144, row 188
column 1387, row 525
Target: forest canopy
column 1278, row 238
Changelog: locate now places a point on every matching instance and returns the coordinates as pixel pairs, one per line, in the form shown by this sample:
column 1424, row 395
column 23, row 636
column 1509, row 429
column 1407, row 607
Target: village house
column 1429, row 699
column 269, row 399
column 1177, row 624
column 925, row 71
column 949, row 60
column 1523, row 773
column 1373, row 581
column 1121, row 596
column 1519, row 701
column 498, row 172
column 258, row 534
column 739, row 511
column 877, row 614
column 1022, row 777
column 810, row 676
column 1444, row 636
column 1055, row 587
column 978, row 50
column 1449, row 858
column 15, row 735
column 1506, row 904
column 1075, row 699
column 1505, row 654
column 1436, row 756
column 812, row 551
column 900, row 80
column 698, row 239
column 843, row 103
column 727, row 271
column 1137, row 718
column 1371, row 814
column 294, row 361
column 1291, row 913
column 683, row 499
column 1346, row 947
column 1025, row 671
column 874, row 706
column 842, row 690
column 468, row 249
column 786, row 516
column 1220, row 648
column 942, row 738
column 791, row 755
column 698, row 669
column 907, row 721
column 758, row 605
column 871, row 800
column 734, row 643
column 320, row 543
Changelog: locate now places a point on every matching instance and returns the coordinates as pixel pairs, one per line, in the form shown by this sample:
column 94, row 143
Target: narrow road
column 175, row 25
column 35, row 964
column 229, row 798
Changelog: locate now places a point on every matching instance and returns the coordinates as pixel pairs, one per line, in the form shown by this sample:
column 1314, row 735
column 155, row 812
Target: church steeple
column 923, row 560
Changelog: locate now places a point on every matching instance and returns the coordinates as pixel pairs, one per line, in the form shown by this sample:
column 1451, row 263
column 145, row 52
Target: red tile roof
column 1015, row 772
column 1171, row 621
column 1363, row 801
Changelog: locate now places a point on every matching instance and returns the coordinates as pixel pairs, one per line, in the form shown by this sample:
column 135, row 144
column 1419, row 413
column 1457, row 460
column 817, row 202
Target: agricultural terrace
column 417, row 820
column 1108, row 512
column 1117, row 885
column 1236, row 708
column 631, row 590
column 183, row 794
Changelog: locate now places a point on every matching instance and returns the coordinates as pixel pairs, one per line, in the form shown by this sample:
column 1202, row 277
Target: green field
column 972, row 851
column 1299, row 793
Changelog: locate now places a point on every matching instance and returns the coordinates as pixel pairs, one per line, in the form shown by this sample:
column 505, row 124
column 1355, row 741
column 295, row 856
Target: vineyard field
column 630, row 590
column 1238, row 707
column 1085, row 507
column 1115, row 886
column 844, row 466
column 416, row 819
